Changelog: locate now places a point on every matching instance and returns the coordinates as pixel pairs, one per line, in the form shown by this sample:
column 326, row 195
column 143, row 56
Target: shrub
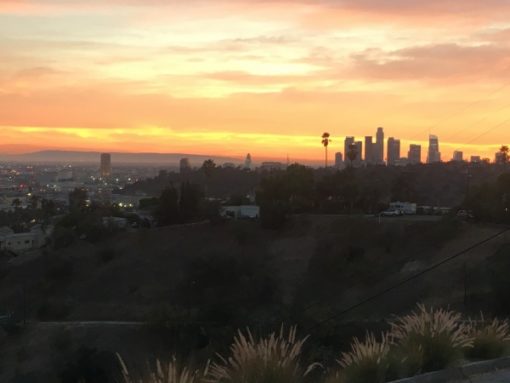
column 439, row 334
column 490, row 339
column 404, row 361
column 274, row 359
column 367, row 361
column 168, row 373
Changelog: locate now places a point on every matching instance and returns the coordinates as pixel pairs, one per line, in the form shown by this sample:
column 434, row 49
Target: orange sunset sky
column 260, row 76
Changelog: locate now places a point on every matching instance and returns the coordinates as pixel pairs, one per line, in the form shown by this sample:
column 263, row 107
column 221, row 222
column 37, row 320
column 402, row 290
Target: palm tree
column 325, row 141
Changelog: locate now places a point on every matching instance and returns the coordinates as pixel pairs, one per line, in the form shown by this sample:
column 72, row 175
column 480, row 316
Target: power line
column 488, row 131
column 459, row 111
column 405, row 281
column 473, row 124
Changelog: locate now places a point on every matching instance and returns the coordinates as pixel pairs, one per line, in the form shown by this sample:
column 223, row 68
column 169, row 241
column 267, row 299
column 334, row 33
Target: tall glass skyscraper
column 434, row 153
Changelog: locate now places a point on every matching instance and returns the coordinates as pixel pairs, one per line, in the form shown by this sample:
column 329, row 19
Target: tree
column 325, row 142
column 504, row 154
column 167, row 212
column 189, row 201
column 208, row 167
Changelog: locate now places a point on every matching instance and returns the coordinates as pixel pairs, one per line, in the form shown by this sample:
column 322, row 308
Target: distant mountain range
column 62, row 156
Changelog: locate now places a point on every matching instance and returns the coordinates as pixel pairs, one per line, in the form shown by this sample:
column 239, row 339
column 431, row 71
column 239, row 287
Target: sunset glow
column 266, row 77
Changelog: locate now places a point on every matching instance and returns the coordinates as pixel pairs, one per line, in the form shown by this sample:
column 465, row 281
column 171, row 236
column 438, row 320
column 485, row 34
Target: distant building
column 402, row 161
column 21, row 242
column 434, row 154
column 65, row 175
column 248, row 162
column 184, row 166
column 458, row 156
column 339, row 160
column 370, row 157
column 106, row 165
column 393, row 151
column 500, row 158
column 414, row 154
column 359, row 149
column 475, row 159
column 349, row 141
column 379, row 147
column 230, row 165
column 271, row 166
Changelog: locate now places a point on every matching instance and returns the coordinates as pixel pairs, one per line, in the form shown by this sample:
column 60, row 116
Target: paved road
column 502, row 376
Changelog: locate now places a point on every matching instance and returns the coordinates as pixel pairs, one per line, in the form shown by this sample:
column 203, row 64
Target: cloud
column 435, row 62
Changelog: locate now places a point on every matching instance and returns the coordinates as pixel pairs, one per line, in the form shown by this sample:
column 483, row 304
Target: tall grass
column 273, row 359
column 490, row 339
column 367, row 361
column 171, row 372
column 438, row 334
column 422, row 341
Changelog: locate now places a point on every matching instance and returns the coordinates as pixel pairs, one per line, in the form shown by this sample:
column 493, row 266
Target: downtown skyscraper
column 393, row 151
column 434, row 154
column 379, row 147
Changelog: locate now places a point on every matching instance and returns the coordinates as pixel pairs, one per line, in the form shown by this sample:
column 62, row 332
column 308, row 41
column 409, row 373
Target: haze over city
column 254, row 191
column 256, row 76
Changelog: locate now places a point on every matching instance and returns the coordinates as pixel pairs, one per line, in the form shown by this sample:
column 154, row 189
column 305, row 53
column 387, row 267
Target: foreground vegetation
column 425, row 340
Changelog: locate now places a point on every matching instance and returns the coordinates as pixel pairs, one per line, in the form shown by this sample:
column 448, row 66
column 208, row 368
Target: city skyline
column 259, row 77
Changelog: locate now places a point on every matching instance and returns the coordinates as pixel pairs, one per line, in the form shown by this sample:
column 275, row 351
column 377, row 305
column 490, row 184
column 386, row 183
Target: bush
column 265, row 360
column 439, row 334
column 172, row 372
column 404, row 361
column 490, row 340
column 367, row 361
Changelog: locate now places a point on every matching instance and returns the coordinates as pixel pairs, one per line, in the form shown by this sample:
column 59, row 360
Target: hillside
column 180, row 279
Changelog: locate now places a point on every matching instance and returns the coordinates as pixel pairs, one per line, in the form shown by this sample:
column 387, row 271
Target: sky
column 266, row 77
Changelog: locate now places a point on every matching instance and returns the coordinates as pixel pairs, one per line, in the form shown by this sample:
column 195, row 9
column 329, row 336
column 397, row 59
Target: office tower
column 339, row 160
column 106, row 165
column 347, row 144
column 393, row 151
column 379, row 147
column 359, row 150
column 184, row 166
column 458, row 156
column 414, row 154
column 434, row 153
column 248, row 162
column 369, row 151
